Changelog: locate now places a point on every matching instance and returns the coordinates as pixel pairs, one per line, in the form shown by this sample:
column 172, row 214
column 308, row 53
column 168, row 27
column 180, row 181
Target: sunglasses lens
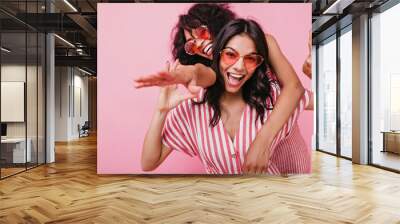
column 190, row 47
column 229, row 57
column 252, row 61
column 202, row 33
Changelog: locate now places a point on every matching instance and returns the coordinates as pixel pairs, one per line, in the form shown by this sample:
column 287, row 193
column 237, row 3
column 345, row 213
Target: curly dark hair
column 257, row 90
column 214, row 16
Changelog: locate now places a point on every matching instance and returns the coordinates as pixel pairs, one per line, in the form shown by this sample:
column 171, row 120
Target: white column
column 50, row 92
column 314, row 89
column 50, row 100
column 360, row 90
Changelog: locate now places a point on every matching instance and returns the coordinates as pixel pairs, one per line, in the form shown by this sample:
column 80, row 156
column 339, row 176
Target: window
column 385, row 89
column 346, row 74
column 327, row 96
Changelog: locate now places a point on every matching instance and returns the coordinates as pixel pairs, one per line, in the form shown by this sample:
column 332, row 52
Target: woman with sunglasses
column 192, row 46
column 221, row 123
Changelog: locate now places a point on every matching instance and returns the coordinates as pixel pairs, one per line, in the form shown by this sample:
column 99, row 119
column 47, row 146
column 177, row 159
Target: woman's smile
column 235, row 79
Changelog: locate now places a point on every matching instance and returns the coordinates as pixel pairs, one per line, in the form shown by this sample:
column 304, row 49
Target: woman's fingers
column 194, row 89
column 260, row 170
column 168, row 77
column 148, row 84
column 175, row 65
column 159, row 79
column 147, row 78
column 251, row 170
column 265, row 170
column 248, row 168
column 188, row 96
column 165, row 75
column 171, row 66
column 254, row 169
column 178, row 63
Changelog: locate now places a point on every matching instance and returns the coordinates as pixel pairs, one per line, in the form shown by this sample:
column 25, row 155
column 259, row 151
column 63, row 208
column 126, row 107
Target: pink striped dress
column 187, row 130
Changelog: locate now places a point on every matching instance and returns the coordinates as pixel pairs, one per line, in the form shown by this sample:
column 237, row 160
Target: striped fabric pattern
column 187, row 130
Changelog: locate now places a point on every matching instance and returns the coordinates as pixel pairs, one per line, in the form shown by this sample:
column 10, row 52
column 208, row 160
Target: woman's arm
column 154, row 152
column 163, row 135
column 291, row 92
column 197, row 75
column 204, row 75
column 307, row 70
column 307, row 66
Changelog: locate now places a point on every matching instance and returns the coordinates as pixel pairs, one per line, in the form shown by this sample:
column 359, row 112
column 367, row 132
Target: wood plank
column 70, row 191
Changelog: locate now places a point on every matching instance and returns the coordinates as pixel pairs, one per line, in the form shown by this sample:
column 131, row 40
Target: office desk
column 15, row 148
column 391, row 141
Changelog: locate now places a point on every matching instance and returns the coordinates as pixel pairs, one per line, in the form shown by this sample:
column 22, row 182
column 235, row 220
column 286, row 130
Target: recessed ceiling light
column 84, row 71
column 70, row 5
column 337, row 7
column 65, row 41
column 5, row 50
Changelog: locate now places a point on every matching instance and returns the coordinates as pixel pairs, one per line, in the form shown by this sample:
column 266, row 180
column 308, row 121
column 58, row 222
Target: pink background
column 134, row 39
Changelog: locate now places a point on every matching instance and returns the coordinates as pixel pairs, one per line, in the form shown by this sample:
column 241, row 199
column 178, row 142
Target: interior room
column 50, row 131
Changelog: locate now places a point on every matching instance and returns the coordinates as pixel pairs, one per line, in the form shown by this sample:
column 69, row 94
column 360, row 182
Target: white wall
column 70, row 83
column 81, row 102
column 62, row 81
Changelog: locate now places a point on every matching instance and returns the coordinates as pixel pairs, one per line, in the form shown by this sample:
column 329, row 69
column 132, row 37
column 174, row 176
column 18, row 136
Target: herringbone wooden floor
column 70, row 191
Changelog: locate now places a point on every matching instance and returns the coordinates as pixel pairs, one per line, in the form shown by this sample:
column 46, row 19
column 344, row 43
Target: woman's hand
column 193, row 77
column 307, row 69
column 257, row 157
column 174, row 74
column 170, row 96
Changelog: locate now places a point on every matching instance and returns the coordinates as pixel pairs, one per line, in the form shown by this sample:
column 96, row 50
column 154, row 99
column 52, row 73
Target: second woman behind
column 222, row 123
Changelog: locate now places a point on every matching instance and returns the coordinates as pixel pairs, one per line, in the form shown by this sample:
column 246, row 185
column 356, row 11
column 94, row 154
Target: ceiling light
column 64, row 40
column 5, row 50
column 70, row 5
column 84, row 71
column 338, row 6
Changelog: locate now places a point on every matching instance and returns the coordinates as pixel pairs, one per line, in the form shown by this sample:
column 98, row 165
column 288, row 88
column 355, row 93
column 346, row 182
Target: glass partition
column 346, row 93
column 22, row 77
column 327, row 95
column 41, row 91
column 13, row 103
column 32, row 95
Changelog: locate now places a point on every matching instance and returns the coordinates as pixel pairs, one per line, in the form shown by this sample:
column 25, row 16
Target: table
column 15, row 148
column 391, row 141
